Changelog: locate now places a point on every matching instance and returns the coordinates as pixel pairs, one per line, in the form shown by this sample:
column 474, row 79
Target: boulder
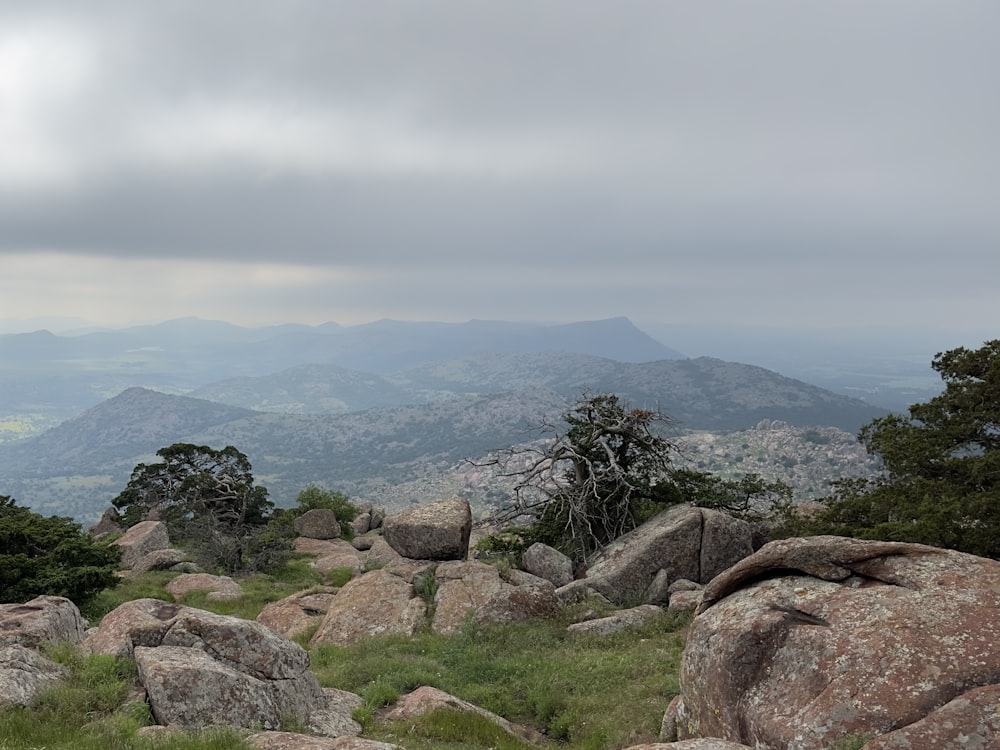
column 548, row 563
column 476, row 590
column 376, row 603
column 380, row 553
column 141, row 539
column 336, row 717
column 296, row 614
column 362, row 523
column 425, row 700
column 161, row 559
column 318, row 547
column 109, row 525
column 339, row 554
column 462, row 588
column 626, row 619
column 140, row 622
column 438, row 531
column 813, row 640
column 25, row 674
column 318, row 523
column 523, row 597
column 684, row 601
column 219, row 587
column 200, row 669
column 43, row 619
column 684, row 541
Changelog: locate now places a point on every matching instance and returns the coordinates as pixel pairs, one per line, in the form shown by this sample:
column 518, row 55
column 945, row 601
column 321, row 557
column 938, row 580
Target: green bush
column 51, row 555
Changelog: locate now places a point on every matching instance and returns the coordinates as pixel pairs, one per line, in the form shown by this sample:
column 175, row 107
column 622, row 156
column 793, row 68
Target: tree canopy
column 206, row 497
column 51, row 555
column 941, row 484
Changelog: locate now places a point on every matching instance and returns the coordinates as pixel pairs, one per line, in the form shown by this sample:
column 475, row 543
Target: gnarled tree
column 592, row 481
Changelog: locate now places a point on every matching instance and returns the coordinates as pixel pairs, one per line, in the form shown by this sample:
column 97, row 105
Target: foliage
column 209, row 502
column 941, row 484
column 313, row 497
column 751, row 498
column 593, row 481
column 586, row 690
column 51, row 555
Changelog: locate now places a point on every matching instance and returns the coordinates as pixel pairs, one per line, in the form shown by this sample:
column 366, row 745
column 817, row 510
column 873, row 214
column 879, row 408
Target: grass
column 583, row 692
column 589, row 692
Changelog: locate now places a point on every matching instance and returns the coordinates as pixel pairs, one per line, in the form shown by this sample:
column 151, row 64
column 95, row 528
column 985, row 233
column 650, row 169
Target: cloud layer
column 777, row 162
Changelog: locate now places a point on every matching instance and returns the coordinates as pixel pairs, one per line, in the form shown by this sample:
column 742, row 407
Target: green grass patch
column 447, row 729
column 587, row 691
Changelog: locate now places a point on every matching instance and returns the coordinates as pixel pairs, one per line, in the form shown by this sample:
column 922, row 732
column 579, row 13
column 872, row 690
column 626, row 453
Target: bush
column 51, row 555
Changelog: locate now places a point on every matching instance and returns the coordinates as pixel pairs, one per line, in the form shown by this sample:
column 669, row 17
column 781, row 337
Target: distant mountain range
column 368, row 410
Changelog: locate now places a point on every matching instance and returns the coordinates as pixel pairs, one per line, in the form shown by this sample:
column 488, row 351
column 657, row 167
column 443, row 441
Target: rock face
column 318, row 523
column 44, row 618
column 140, row 540
column 439, row 531
column 812, row 640
column 683, row 541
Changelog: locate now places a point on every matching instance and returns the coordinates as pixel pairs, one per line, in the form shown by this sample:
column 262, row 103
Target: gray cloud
column 546, row 159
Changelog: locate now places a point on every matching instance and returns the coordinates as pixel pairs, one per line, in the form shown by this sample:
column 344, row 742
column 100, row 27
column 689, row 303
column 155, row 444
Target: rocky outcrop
column 43, row 619
column 109, row 525
column 698, row 744
column 682, row 541
column 438, row 531
column 812, row 640
column 317, row 523
column 140, row 540
column 25, row 674
column 548, row 563
column 376, row 603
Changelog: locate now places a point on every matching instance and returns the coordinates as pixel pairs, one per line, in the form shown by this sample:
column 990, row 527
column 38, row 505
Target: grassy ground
column 583, row 692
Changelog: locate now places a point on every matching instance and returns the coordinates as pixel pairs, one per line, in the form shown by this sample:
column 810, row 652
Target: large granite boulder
column 472, row 589
column 684, row 541
column 25, row 674
column 809, row 641
column 548, row 563
column 625, row 619
column 43, row 619
column 376, row 603
column 199, row 668
column 317, row 523
column 141, row 539
column 438, row 531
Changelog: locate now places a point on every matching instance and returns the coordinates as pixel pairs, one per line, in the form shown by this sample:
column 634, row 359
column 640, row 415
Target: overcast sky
column 776, row 162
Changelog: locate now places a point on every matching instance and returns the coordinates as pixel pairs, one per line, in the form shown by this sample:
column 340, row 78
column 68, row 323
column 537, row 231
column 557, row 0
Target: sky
column 776, row 163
